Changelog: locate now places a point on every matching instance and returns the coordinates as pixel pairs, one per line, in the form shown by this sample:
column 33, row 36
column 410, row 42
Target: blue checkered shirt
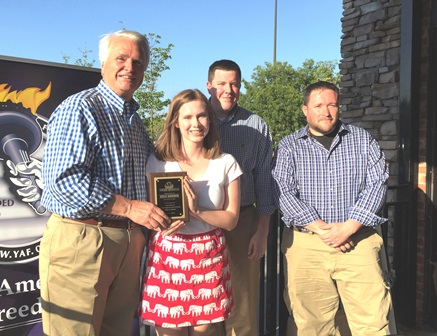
column 247, row 137
column 97, row 146
column 346, row 182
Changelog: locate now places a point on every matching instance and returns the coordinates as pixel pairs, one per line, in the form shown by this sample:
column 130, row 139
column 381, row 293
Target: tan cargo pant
column 317, row 276
column 90, row 278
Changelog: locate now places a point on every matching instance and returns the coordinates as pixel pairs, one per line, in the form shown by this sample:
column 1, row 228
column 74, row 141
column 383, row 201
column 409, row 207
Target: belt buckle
column 131, row 225
column 301, row 229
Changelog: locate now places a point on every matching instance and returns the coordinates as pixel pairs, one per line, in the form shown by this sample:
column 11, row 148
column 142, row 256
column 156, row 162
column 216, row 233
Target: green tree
column 151, row 100
column 276, row 93
column 83, row 61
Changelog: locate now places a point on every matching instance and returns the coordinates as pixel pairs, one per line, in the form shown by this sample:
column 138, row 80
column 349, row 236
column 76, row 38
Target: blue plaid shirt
column 346, row 182
column 97, row 146
column 247, row 137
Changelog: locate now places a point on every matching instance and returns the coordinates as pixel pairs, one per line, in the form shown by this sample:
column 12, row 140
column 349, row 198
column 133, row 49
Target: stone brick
column 385, row 91
column 364, row 124
column 346, row 94
column 347, row 120
column 377, row 117
column 391, row 155
column 354, row 113
column 364, row 29
column 358, row 3
column 371, row 7
column 394, row 31
column 393, row 3
column 390, row 102
column 393, row 56
column 393, row 10
column 375, row 110
column 391, row 38
column 350, row 13
column 388, row 24
column 345, row 65
column 347, row 31
column 346, row 51
column 394, row 111
column 343, row 71
column 372, row 17
column 389, row 144
column 362, row 91
column 379, row 47
column 377, row 103
column 377, row 34
column 389, row 77
column 348, row 83
column 365, row 104
column 352, row 22
column 365, row 77
column 360, row 62
column 365, row 44
column 346, row 77
column 389, row 128
column 374, row 62
column 348, row 41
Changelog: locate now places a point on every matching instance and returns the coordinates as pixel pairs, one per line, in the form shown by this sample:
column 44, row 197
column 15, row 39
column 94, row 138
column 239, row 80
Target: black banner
column 29, row 92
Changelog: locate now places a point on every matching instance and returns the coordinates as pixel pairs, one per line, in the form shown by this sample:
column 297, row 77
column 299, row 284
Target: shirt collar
column 121, row 104
column 305, row 132
column 230, row 116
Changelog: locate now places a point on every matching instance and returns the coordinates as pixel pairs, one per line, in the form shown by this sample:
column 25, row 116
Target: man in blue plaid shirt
column 247, row 137
column 94, row 170
column 330, row 182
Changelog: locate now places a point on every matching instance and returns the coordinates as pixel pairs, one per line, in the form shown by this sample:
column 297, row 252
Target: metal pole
column 274, row 36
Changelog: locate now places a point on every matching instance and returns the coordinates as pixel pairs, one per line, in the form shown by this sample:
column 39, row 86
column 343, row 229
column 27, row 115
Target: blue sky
column 202, row 31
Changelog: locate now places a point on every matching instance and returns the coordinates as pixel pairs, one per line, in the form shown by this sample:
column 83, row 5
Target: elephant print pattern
column 187, row 280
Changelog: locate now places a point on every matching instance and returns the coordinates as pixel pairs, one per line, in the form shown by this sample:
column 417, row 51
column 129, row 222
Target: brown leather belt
column 301, row 229
column 105, row 222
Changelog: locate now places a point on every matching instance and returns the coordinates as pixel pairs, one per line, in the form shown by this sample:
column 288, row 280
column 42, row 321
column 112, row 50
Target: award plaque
column 166, row 190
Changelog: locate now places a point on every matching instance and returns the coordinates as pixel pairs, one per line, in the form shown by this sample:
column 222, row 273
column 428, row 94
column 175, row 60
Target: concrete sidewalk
column 344, row 329
column 404, row 331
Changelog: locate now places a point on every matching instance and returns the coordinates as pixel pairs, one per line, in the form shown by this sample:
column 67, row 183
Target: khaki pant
column 244, row 276
column 317, row 276
column 90, row 278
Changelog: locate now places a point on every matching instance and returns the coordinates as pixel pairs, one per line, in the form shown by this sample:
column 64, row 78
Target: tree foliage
column 276, row 93
column 152, row 102
column 83, row 61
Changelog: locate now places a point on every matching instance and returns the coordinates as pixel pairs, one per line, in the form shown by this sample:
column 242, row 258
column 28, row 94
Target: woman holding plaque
column 187, row 288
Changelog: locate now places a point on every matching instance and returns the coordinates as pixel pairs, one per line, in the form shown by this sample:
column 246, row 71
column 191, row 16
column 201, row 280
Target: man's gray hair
column 130, row 34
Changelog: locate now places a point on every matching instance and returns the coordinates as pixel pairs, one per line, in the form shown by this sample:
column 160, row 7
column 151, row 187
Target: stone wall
column 370, row 72
column 369, row 86
column 369, row 69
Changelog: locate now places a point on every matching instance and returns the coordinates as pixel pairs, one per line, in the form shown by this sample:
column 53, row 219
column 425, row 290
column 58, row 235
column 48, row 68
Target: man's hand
column 338, row 236
column 258, row 242
column 318, row 227
column 148, row 215
column 143, row 213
